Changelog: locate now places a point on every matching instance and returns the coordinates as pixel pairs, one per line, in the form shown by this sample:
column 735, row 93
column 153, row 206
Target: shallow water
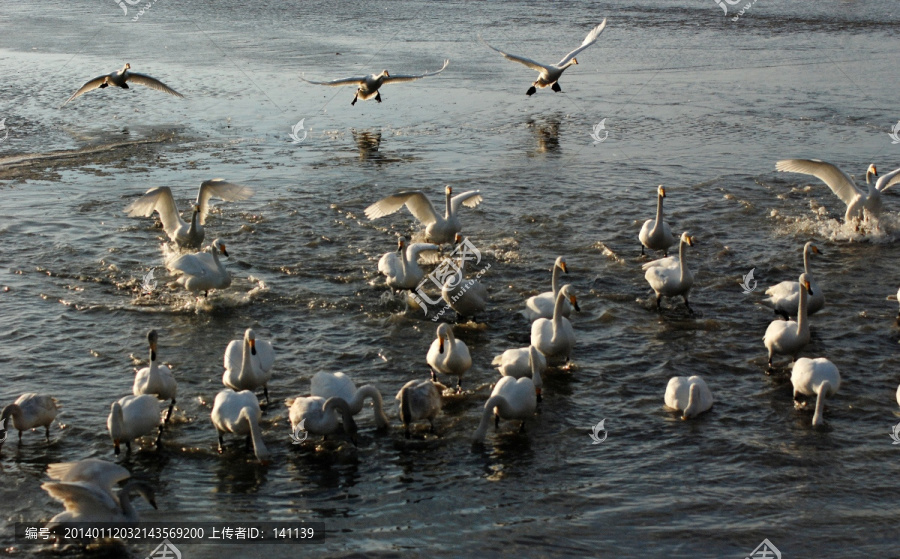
column 692, row 100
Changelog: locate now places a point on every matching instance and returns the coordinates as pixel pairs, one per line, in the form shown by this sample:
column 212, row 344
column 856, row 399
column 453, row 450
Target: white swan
column 670, row 277
column 120, row 79
column 898, row 395
column 815, row 377
column 420, row 399
column 320, row 416
column 438, row 230
column 367, row 86
column 523, row 362
column 468, row 297
column 656, row 233
column 511, row 399
column 102, row 473
column 541, row 306
column 86, row 501
column 689, row 395
column 338, row 385
column 202, row 271
column 788, row 337
column 402, row 267
column 550, row 73
column 555, row 337
column 186, row 235
column 132, row 417
column 785, row 296
column 29, row 411
column 860, row 201
column 448, row 356
column 156, row 379
column 248, row 364
column 239, row 413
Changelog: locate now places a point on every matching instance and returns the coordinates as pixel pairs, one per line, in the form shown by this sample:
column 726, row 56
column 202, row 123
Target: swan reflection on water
column 547, row 136
column 368, row 143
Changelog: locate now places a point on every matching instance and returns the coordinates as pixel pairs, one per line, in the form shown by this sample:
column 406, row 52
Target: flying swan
column 120, row 79
column 367, row 86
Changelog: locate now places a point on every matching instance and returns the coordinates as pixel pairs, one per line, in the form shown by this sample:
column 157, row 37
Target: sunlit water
column 692, row 100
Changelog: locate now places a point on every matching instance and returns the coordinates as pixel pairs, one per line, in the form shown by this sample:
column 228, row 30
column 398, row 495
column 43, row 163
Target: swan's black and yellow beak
column 690, row 241
column 222, row 248
column 448, row 190
column 252, row 347
column 562, row 266
column 574, row 302
column 662, row 191
column 441, row 344
column 400, row 246
column 815, row 249
column 574, row 61
column 808, row 288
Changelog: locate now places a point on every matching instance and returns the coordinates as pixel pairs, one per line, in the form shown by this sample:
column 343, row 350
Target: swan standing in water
column 448, row 356
column 401, row 268
column 656, row 233
column 438, row 230
column 523, row 362
column 815, row 377
column 468, row 297
column 202, row 271
column 670, row 277
column 186, row 235
column 785, row 296
column 689, row 395
column 549, row 74
column 29, row 411
column 239, row 413
column 121, row 78
column 860, row 201
column 420, row 399
column 248, row 364
column 789, row 337
column 512, row 400
column 319, row 416
column 133, row 417
column 555, row 338
column 156, row 380
column 338, row 385
column 367, row 86
column 541, row 306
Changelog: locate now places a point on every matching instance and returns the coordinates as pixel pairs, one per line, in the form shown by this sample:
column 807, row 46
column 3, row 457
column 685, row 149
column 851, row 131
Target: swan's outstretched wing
column 397, row 79
column 82, row 497
column 839, row 182
column 888, row 180
column 265, row 355
column 234, row 355
column 520, row 59
column 220, row 188
column 419, row 205
column 100, row 472
column 588, row 41
column 469, row 199
column 342, row 81
column 152, row 83
column 89, row 86
column 158, row 199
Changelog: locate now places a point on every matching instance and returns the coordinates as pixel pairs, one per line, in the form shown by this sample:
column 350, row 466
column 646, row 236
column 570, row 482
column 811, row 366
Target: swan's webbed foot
column 658, row 302
column 459, row 385
column 433, row 376
column 355, row 97
column 20, row 437
column 266, row 394
column 47, row 427
column 169, row 413
column 378, row 97
column 221, row 442
column 116, row 448
column 531, row 91
column 159, row 438
column 496, row 421
column 555, row 87
column 124, row 86
column 688, row 305
column 103, row 85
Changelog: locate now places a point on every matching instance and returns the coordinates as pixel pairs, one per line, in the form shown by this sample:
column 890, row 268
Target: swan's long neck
column 405, row 409
column 535, row 370
column 801, row 310
column 824, row 389
column 128, row 510
column 555, row 279
column 558, row 308
column 693, row 402
column 343, row 408
column 259, row 447
column 247, row 361
column 682, row 264
column 659, row 216
column 806, row 258
column 488, row 413
column 369, row 391
column 117, row 423
column 11, row 411
column 569, row 63
column 448, row 212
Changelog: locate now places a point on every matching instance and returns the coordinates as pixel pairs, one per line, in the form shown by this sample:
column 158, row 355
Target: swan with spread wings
column 121, row 78
column 367, row 86
column 438, row 230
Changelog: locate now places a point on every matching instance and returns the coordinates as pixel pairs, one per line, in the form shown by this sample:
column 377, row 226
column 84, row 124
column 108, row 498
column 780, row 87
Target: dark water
column 692, row 100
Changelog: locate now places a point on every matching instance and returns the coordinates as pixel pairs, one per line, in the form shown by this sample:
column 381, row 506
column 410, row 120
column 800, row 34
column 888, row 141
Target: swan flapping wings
column 419, row 205
column 412, row 78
